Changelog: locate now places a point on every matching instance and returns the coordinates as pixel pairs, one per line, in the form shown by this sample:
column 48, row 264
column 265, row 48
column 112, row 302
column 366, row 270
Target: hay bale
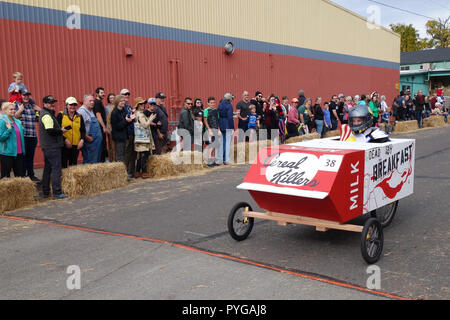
column 246, row 152
column 174, row 164
column 386, row 127
column 17, row 193
column 86, row 180
column 406, row 126
column 310, row 136
column 434, row 122
column 334, row 133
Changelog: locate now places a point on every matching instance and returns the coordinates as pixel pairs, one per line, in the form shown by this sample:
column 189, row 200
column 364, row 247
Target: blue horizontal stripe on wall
column 19, row 12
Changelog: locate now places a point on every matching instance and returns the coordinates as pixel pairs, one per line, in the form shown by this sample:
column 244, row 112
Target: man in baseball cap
column 160, row 95
column 71, row 101
column 51, row 140
column 130, row 154
column 27, row 111
column 228, row 96
column 49, row 100
column 162, row 141
column 125, row 92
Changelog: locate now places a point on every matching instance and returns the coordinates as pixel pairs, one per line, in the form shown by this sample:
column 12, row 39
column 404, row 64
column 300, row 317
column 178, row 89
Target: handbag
column 141, row 135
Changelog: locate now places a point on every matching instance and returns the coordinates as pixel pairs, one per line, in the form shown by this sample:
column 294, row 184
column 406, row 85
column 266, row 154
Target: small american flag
column 345, row 132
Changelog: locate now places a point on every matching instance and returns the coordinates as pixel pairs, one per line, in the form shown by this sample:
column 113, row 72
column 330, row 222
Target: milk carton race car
column 328, row 183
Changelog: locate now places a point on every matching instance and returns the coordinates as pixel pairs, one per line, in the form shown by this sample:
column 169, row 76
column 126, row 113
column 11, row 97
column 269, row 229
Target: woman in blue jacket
column 12, row 144
column 226, row 124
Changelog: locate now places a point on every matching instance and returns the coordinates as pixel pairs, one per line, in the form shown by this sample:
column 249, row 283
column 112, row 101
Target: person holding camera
column 120, row 120
column 143, row 141
column 75, row 135
column 130, row 153
column 271, row 116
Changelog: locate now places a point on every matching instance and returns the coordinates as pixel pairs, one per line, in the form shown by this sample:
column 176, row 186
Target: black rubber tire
column 236, row 219
column 386, row 220
column 372, row 241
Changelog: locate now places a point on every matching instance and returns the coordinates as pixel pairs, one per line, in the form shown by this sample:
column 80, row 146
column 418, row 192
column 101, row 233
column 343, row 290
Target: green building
column 426, row 70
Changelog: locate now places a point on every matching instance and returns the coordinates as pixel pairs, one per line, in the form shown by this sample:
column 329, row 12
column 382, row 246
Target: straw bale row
column 17, row 193
column 334, row 133
column 86, row 180
column 434, row 122
column 175, row 164
column 406, row 126
column 310, row 136
column 246, row 152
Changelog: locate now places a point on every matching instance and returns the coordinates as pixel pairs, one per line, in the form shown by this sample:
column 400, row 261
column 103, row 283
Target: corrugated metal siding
column 312, row 24
column 63, row 62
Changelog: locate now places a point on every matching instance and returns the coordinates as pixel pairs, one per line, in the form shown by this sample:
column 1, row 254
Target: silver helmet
column 363, row 112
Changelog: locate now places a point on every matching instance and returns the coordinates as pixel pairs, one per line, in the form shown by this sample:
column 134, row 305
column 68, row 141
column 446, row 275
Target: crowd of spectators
column 289, row 118
column 417, row 107
column 119, row 131
column 132, row 132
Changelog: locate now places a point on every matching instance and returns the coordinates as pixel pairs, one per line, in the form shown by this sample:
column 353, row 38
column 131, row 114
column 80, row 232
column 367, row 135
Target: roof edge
column 360, row 17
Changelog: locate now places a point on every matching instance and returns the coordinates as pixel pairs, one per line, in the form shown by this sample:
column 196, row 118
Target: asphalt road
column 193, row 212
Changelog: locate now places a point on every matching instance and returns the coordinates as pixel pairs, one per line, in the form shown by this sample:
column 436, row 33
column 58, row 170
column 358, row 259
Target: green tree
column 410, row 40
column 424, row 43
column 439, row 31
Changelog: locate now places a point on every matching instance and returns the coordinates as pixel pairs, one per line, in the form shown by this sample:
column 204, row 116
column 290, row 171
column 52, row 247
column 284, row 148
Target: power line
column 439, row 4
column 404, row 10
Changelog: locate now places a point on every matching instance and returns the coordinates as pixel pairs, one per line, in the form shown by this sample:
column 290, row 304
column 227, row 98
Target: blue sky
column 430, row 8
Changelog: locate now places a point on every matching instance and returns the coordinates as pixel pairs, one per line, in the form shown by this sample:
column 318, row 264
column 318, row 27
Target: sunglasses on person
column 74, row 105
column 127, row 94
column 190, row 104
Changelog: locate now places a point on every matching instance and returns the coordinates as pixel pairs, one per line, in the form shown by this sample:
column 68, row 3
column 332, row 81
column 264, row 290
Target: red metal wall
column 63, row 62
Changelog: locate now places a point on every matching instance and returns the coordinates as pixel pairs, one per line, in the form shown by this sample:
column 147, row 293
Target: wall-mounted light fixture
column 229, row 48
column 128, row 52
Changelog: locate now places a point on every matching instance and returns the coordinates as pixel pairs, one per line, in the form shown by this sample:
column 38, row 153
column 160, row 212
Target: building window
column 404, row 68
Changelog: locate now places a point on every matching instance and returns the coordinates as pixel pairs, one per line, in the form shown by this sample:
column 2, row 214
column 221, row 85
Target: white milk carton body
column 388, row 168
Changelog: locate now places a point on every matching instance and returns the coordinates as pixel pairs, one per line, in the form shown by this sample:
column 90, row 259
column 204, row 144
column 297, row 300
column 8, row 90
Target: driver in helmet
column 359, row 128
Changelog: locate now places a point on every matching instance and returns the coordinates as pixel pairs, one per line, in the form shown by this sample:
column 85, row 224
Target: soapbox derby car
column 327, row 183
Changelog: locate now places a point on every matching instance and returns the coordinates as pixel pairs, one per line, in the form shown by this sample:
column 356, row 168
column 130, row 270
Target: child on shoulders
column 17, row 88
